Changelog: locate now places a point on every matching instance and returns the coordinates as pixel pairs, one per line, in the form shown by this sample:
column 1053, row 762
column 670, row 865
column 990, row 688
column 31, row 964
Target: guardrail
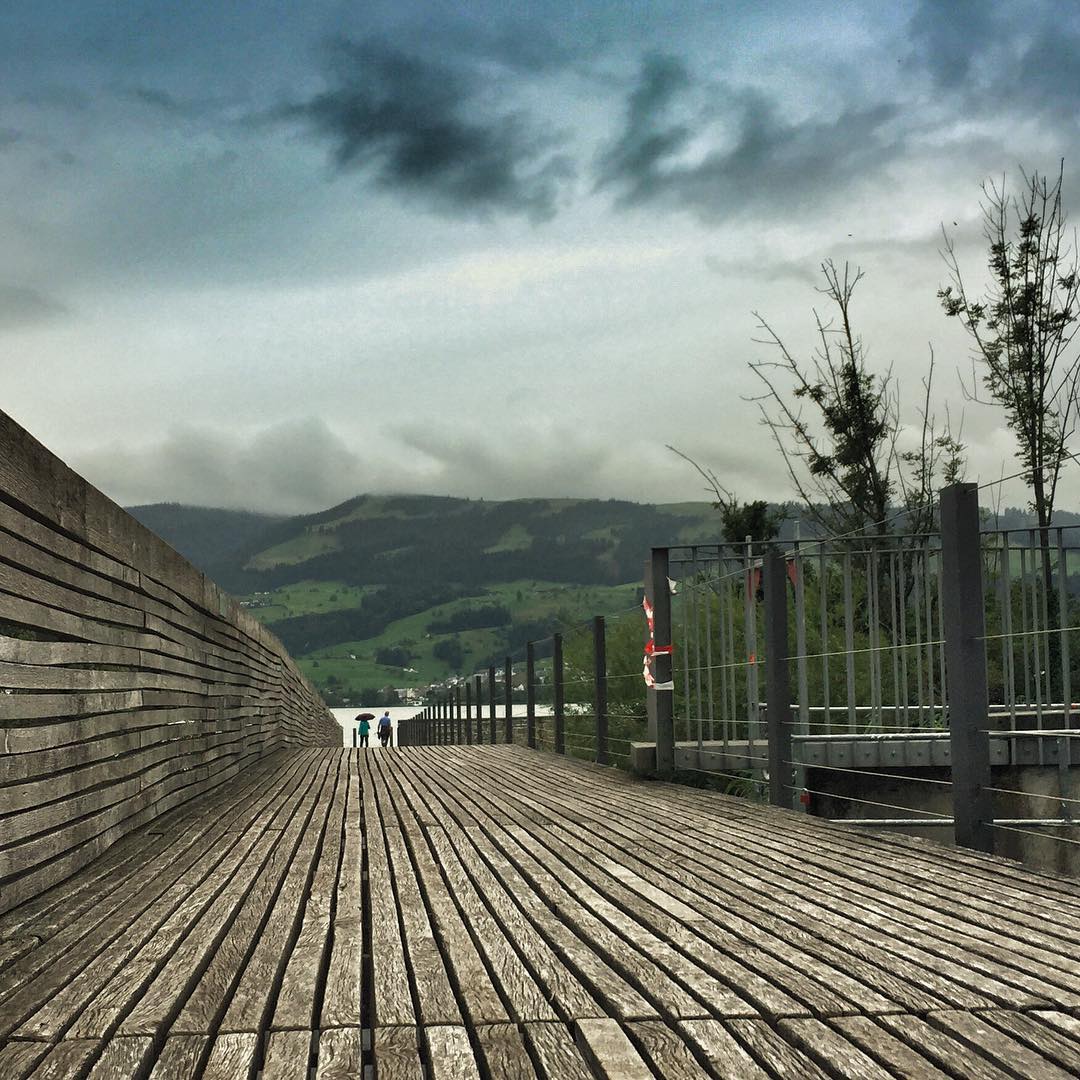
column 129, row 682
column 891, row 649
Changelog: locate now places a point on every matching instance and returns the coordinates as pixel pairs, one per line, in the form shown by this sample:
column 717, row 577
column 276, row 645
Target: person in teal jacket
column 365, row 730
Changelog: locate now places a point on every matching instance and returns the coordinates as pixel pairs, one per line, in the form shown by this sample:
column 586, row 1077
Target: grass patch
column 306, row 598
column 516, row 538
column 299, row 549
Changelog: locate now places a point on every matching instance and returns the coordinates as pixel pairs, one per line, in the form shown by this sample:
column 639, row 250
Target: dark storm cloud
column 635, row 161
column 948, row 36
column 1000, row 56
column 164, row 102
column 419, row 126
column 20, row 307
column 765, row 160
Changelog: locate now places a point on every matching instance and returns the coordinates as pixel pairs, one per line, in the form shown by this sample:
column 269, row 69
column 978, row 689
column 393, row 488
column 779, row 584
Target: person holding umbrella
column 364, row 721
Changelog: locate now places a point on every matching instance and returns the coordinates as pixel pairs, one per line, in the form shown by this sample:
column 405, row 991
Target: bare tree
column 1024, row 326
column 838, row 428
column 738, row 519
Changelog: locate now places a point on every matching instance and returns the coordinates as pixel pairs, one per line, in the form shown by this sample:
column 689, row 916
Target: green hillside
column 404, row 590
column 401, row 591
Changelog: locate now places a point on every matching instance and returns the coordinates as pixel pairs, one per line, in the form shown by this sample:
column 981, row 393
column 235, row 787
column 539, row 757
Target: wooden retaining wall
column 129, row 682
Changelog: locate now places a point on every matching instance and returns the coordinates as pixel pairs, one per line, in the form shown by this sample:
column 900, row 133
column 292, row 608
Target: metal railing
column 921, row 659
column 895, row 658
column 562, row 696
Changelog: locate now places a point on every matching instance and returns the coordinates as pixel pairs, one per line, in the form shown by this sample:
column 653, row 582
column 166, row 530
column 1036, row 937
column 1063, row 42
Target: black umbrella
column 364, row 716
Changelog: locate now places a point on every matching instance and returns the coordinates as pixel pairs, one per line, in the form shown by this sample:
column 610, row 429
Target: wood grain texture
column 232, row 1057
column 66, row 1059
column 527, row 919
column 901, row 1059
column 609, row 1052
column 556, row 1052
column 181, row 1058
column 287, row 1055
column 665, row 1050
column 503, row 1053
column 340, row 1054
column 123, row 1059
column 17, row 1059
column 397, row 1054
column 449, row 1053
column 724, row 1054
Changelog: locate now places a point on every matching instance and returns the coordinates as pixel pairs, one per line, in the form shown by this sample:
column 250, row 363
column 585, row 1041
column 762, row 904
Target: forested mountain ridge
column 403, row 590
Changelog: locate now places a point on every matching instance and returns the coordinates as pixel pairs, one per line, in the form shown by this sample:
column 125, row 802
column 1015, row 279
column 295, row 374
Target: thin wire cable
column 716, row 772
column 1029, row 633
column 1033, row 795
column 1032, row 832
column 868, row 772
column 873, row 802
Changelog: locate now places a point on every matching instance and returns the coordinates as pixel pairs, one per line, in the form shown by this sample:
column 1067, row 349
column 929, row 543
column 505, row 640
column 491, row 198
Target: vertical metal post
column 1063, row 743
column 1038, row 647
column 479, row 685
column 600, row 689
column 709, row 650
column 354, row 734
column 491, row 703
column 663, row 700
column 1008, row 656
column 873, row 612
column 468, row 713
column 694, row 614
column 753, row 695
column 777, row 680
column 823, row 614
column 557, row 676
column 800, row 638
column 893, row 639
column 849, row 640
column 508, row 695
column 965, row 667
column 530, row 695
column 684, row 607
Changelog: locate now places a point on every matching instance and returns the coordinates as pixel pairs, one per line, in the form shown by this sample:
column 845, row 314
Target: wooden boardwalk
column 460, row 912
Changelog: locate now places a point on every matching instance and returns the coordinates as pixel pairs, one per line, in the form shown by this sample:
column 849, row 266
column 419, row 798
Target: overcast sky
column 274, row 255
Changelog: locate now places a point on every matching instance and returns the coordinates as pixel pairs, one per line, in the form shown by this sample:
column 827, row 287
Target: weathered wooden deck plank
column 629, row 852
column 1003, row 979
column 530, row 917
column 397, row 1053
column 392, row 1002
column 141, row 906
column 157, row 953
column 287, row 1055
column 65, row 915
column 715, row 980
